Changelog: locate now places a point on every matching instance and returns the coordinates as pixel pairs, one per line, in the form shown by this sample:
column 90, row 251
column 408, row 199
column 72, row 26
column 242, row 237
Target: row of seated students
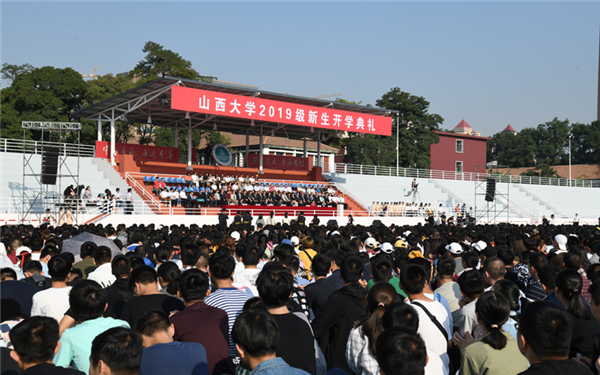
column 217, row 192
column 219, row 198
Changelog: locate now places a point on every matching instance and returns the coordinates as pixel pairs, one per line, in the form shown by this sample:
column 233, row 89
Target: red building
column 459, row 153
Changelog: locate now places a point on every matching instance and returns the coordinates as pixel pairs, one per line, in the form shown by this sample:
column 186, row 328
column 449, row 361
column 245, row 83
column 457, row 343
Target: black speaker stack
column 49, row 165
column 490, row 190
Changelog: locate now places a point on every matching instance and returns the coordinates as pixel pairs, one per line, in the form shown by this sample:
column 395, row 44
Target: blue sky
column 490, row 63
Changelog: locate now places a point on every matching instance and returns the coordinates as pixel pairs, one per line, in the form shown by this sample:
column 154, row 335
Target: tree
column 11, row 71
column 415, row 127
column 159, row 61
column 552, row 139
column 42, row 94
column 542, row 171
column 101, row 88
column 585, row 144
column 513, row 150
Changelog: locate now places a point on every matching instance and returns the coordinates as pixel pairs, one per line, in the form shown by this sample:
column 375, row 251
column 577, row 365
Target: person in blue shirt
column 256, row 334
column 88, row 302
column 161, row 354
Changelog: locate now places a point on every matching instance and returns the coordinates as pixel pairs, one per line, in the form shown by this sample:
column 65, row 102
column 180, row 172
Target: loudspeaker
column 332, row 224
column 490, row 190
column 49, row 165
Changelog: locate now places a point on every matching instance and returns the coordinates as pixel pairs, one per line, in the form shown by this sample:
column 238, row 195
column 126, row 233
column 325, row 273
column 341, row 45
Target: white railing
column 353, row 197
column 35, row 147
column 374, row 170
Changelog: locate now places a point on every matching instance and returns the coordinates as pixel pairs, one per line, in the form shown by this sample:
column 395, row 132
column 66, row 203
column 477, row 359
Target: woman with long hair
column 168, row 275
column 510, row 290
column 496, row 351
column 569, row 284
column 360, row 348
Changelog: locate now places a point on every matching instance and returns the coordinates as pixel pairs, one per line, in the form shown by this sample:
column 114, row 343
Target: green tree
column 10, row 71
column 415, row 132
column 513, row 150
column 542, row 171
column 585, row 144
column 159, row 61
column 42, row 94
column 552, row 139
column 101, row 88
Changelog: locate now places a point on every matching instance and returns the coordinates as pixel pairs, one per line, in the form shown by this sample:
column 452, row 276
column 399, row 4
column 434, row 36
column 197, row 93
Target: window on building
column 459, row 145
column 459, row 167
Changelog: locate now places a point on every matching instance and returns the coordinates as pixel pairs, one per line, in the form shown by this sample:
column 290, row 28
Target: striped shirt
column 232, row 301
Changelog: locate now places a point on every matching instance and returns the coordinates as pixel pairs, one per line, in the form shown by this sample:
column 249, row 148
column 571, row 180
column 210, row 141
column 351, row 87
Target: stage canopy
column 187, row 104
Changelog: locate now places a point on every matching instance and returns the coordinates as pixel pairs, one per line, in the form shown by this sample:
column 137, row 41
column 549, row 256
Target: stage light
column 252, row 123
column 149, row 120
column 187, row 115
column 215, row 126
column 312, row 130
column 272, row 132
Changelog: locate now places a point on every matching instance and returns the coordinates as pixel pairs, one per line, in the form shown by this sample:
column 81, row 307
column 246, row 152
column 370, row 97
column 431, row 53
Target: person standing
column 129, row 202
column 118, row 200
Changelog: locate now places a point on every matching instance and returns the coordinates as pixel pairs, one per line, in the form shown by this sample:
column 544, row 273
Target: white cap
column 370, row 242
column 23, row 249
column 387, row 247
column 455, row 248
column 235, row 236
column 295, row 240
column 334, row 233
column 561, row 241
column 480, row 245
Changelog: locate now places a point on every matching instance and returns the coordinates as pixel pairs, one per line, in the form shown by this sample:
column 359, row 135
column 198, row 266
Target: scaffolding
column 491, row 211
column 37, row 195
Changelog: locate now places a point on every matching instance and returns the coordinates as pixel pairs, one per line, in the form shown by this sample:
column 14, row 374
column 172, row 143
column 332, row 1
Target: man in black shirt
column 343, row 308
column 35, row 341
column 296, row 342
column 119, row 292
column 144, row 285
column 223, row 219
column 544, row 338
column 301, row 219
column 318, row 292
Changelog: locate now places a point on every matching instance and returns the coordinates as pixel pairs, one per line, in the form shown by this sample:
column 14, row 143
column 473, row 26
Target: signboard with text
column 279, row 162
column 139, row 152
column 251, row 108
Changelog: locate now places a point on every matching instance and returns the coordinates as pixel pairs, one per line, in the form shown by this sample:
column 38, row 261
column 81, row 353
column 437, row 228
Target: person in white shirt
column 54, row 302
column 437, row 338
column 129, row 202
column 182, row 198
column 247, row 277
column 118, row 200
column 271, row 219
column 103, row 274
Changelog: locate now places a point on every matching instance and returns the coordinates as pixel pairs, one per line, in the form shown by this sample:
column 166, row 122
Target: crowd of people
column 221, row 190
column 296, row 299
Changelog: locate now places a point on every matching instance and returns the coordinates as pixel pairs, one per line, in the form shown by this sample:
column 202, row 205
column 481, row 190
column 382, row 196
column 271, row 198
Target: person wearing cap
column 560, row 243
column 455, row 251
column 370, row 245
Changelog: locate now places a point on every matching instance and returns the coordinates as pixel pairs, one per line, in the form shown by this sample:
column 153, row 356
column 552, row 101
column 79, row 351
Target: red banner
column 279, row 162
column 218, row 103
column 139, row 152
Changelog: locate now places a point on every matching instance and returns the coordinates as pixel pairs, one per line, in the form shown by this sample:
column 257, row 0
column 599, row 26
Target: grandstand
column 528, row 200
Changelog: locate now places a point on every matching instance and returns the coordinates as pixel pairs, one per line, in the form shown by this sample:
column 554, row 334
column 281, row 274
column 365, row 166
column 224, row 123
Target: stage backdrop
column 139, row 152
column 279, row 162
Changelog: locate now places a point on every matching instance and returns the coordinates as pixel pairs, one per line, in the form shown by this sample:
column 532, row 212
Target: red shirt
column 208, row 326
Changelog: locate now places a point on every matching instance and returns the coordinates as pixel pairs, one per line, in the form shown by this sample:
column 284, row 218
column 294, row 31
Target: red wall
column 444, row 155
